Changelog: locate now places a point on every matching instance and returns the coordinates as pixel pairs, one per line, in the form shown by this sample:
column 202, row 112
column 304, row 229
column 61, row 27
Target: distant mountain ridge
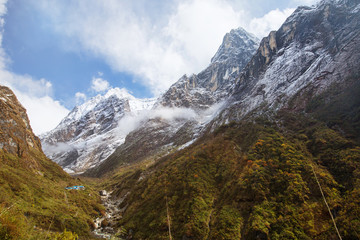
column 290, row 66
column 315, row 48
column 262, row 145
column 280, row 159
column 203, row 94
column 215, row 83
column 91, row 131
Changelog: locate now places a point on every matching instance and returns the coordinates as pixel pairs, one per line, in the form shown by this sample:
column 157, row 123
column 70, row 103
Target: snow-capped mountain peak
column 90, row 133
column 213, row 84
column 87, row 106
column 120, row 93
column 93, row 130
column 234, row 43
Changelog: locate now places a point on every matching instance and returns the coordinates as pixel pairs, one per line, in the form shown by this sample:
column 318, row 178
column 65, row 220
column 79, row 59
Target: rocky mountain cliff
column 277, row 157
column 281, row 158
column 93, row 130
column 180, row 115
column 16, row 136
column 32, row 199
column 215, row 83
column 315, row 48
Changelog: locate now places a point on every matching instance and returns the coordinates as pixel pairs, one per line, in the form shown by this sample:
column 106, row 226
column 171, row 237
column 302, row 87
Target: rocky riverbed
column 105, row 226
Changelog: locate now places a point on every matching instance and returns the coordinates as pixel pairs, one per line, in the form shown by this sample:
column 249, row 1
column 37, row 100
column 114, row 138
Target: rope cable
column 327, row 205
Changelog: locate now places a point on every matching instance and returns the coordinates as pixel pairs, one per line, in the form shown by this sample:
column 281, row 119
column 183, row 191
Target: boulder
column 103, row 193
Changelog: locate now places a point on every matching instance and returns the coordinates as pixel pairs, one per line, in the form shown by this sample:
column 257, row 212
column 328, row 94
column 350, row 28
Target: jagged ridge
column 203, row 94
column 93, row 130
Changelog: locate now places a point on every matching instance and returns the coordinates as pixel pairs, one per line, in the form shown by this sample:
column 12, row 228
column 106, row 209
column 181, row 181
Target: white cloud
column 170, row 114
column 44, row 112
column 26, row 84
column 51, row 149
column 130, row 122
column 99, row 84
column 158, row 52
column 269, row 22
column 197, row 29
column 80, row 98
column 159, row 49
column 3, row 8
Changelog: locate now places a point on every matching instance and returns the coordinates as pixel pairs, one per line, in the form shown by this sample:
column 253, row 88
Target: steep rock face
column 315, row 48
column 194, row 100
column 266, row 168
column 155, row 138
column 269, row 169
column 216, row 81
column 32, row 186
column 163, row 131
column 19, row 147
column 92, row 131
column 16, row 136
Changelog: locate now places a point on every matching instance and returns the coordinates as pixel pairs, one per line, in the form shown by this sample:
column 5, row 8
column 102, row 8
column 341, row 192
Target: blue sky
column 35, row 49
column 58, row 53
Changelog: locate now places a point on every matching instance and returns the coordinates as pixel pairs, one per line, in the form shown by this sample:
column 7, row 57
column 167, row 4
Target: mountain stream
column 104, row 226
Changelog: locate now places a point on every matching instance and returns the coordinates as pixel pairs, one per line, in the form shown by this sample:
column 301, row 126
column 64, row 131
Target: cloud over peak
column 270, row 21
column 34, row 94
column 156, row 44
column 156, row 51
column 99, row 85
